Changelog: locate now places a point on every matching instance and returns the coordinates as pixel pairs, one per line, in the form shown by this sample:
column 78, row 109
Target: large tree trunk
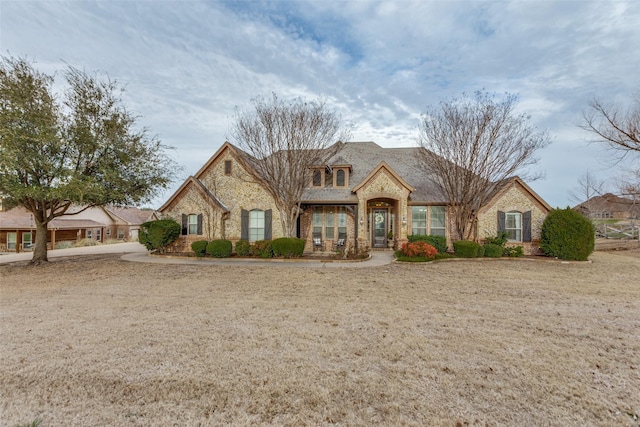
column 40, row 251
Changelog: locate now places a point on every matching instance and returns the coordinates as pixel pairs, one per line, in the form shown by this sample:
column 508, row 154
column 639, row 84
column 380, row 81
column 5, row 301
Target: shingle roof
column 364, row 157
column 131, row 215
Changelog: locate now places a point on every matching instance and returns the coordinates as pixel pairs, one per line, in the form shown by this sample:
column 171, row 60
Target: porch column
column 361, row 220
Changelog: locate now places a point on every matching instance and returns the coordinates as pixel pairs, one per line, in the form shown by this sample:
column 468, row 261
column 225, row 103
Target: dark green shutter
column 244, row 224
column 200, row 224
column 267, row 224
column 501, row 221
column 184, row 225
column 526, row 226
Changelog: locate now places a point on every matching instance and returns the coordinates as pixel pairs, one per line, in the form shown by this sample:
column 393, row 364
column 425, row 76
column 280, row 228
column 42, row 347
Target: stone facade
column 517, row 198
column 223, row 188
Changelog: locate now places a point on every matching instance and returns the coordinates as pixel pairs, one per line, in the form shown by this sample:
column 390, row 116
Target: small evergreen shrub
column 500, row 239
column 243, row 248
column 220, row 248
column 465, row 248
column 262, row 249
column 566, row 234
column 438, row 242
column 491, row 250
column 480, row 251
column 157, row 235
column 288, row 247
column 513, row 251
column 419, row 249
column 200, row 247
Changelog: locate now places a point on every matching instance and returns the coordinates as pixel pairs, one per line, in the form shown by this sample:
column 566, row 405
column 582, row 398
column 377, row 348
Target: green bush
column 438, row 242
column 480, row 251
column 513, row 251
column 157, row 235
column 288, row 247
column 566, row 234
column 243, row 248
column 491, row 250
column 498, row 240
column 262, row 249
column 465, row 248
column 220, row 248
column 200, row 247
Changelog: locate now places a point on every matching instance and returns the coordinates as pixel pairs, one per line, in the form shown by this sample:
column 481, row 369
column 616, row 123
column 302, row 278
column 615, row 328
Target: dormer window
column 317, row 178
column 341, row 176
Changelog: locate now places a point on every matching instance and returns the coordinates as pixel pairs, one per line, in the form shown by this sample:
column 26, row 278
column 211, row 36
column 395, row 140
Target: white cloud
column 188, row 64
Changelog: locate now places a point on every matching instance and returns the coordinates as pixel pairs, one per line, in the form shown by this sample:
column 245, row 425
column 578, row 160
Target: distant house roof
column 19, row 218
column 131, row 215
column 615, row 205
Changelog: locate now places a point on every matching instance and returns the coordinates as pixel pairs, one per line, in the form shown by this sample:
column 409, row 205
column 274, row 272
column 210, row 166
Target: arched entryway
column 381, row 222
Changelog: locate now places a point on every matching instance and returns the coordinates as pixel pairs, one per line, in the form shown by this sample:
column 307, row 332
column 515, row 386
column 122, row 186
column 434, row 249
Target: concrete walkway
column 135, row 252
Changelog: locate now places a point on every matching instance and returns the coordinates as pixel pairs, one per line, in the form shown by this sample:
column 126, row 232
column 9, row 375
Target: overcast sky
column 188, row 64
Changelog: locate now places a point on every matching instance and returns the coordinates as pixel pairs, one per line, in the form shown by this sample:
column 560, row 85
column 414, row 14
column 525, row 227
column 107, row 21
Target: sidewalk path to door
column 134, row 251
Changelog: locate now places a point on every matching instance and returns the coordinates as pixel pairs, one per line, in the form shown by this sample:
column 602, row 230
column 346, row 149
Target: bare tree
column 613, row 125
column 586, row 195
column 284, row 140
column 471, row 144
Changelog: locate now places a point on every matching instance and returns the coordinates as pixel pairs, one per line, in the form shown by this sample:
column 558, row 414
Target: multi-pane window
column 256, row 225
column 438, row 223
column 418, row 220
column 317, row 220
column 434, row 216
column 26, row 240
column 513, row 226
column 192, row 224
column 328, row 223
column 11, row 241
column 340, row 178
column 342, row 221
column 99, row 234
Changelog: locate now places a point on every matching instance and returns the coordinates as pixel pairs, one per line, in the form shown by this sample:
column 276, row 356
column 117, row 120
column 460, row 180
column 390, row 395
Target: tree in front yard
column 472, row 143
column 80, row 147
column 284, row 140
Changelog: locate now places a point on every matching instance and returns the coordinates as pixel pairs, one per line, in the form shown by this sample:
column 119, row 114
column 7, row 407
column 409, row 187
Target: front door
column 379, row 228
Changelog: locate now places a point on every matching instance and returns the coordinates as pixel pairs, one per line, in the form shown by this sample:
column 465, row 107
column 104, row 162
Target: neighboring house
column 363, row 193
column 609, row 206
column 18, row 229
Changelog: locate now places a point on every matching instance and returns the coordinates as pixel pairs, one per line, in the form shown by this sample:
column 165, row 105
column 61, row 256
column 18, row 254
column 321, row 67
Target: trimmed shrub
column 566, row 234
column 262, row 249
column 157, row 235
column 200, row 247
column 243, row 248
column 220, row 248
column 513, row 251
column 480, row 251
column 419, row 249
column 491, row 250
column 465, row 248
column 288, row 247
column 438, row 242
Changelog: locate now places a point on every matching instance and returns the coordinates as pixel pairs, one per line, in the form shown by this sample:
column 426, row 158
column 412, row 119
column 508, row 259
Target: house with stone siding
column 365, row 195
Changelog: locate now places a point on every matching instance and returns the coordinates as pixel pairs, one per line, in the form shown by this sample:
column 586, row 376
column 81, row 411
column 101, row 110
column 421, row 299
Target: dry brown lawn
column 100, row 341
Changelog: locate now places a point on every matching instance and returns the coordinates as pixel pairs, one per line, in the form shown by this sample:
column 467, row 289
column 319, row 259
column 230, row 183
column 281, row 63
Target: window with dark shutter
column 184, row 224
column 199, row 225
